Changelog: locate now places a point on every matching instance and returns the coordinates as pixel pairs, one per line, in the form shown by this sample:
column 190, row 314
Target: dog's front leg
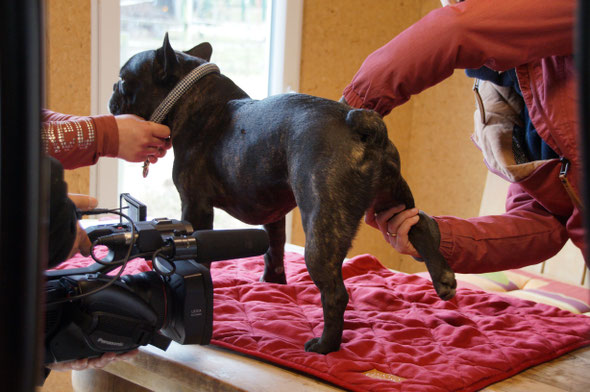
column 274, row 270
column 198, row 212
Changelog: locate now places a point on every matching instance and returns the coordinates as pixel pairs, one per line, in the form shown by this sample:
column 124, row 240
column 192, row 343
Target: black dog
column 257, row 160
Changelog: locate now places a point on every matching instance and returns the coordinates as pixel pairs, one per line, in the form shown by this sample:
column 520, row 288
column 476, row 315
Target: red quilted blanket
column 398, row 335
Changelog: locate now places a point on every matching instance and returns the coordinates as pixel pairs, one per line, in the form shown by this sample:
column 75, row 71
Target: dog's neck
column 175, row 94
column 206, row 104
column 180, row 89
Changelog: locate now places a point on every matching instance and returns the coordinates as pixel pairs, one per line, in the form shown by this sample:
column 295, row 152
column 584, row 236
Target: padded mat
column 399, row 336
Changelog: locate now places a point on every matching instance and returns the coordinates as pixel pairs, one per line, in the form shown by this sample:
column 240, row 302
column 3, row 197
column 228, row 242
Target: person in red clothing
column 80, row 141
column 77, row 141
column 526, row 126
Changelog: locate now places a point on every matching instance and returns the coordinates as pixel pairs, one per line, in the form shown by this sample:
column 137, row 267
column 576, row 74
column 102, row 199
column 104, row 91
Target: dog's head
column 147, row 77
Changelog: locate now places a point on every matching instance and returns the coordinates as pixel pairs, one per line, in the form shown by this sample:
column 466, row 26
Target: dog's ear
column 166, row 59
column 202, row 51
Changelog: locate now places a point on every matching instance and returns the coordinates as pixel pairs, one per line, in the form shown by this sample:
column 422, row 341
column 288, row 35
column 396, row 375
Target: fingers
column 102, row 361
column 157, row 146
column 153, row 154
column 140, row 140
column 395, row 224
column 78, row 364
column 95, row 363
column 82, row 243
column 383, row 218
column 159, row 136
column 159, row 131
column 83, row 202
column 127, row 355
column 401, row 221
column 370, row 218
column 158, row 151
column 406, row 225
column 109, row 357
column 397, row 231
column 379, row 220
column 400, row 239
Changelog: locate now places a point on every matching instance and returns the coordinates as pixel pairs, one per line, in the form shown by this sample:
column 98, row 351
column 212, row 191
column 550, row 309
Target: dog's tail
column 368, row 125
column 379, row 151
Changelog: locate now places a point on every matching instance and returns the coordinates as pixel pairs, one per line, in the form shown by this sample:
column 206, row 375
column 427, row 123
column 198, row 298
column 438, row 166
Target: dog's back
column 296, row 143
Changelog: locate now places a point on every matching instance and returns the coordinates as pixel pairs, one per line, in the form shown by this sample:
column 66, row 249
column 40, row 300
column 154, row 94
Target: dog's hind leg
column 425, row 237
column 327, row 242
column 325, row 268
column 274, row 270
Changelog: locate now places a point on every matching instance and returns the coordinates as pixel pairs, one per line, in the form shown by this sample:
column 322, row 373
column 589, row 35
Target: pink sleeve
column 79, row 141
column 500, row 34
column 526, row 234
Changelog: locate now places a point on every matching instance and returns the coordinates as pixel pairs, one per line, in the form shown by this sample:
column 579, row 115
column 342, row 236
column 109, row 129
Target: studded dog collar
column 174, row 96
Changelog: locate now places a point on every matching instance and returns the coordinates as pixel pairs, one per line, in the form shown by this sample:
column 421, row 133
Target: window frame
column 283, row 74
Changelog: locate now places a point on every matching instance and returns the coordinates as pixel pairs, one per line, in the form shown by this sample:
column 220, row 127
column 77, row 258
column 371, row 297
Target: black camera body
column 89, row 312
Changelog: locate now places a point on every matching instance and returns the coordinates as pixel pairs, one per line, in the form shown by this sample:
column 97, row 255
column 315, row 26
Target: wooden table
column 210, row 368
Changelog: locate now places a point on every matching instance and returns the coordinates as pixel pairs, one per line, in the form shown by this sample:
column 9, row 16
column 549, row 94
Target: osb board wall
column 67, row 68
column 431, row 131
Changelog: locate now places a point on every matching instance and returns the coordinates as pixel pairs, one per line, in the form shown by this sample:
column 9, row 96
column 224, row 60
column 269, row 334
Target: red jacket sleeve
column 500, row 34
column 79, row 141
column 526, row 234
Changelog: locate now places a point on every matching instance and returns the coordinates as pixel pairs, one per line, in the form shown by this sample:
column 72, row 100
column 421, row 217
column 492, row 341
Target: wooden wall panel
column 431, row 131
column 67, row 68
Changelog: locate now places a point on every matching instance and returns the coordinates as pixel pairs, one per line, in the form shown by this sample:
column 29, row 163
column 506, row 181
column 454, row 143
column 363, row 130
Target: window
column 250, row 40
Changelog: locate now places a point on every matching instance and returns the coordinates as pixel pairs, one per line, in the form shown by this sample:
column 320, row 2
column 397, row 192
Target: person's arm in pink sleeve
column 500, row 34
column 526, row 234
column 78, row 141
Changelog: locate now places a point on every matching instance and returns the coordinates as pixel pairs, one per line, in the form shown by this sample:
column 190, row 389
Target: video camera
column 89, row 312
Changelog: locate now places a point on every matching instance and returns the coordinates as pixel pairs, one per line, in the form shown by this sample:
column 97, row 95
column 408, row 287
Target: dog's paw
column 445, row 285
column 316, row 345
column 273, row 278
column 279, row 280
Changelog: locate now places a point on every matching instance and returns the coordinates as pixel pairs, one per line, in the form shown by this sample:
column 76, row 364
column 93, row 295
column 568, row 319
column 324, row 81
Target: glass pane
column 239, row 32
